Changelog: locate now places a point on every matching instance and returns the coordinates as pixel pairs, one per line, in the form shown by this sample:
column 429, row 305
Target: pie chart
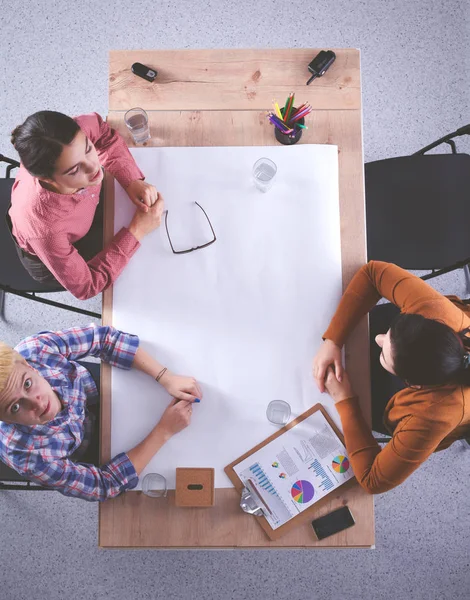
column 340, row 464
column 302, row 491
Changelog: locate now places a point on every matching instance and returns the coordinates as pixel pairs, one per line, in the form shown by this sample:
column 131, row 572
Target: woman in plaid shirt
column 44, row 417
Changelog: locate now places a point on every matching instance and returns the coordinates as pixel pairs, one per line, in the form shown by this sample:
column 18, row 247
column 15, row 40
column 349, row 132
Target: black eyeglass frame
column 197, row 247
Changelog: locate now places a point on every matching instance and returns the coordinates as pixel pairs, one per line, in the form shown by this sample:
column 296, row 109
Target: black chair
column 418, row 209
column 11, row 480
column 14, row 279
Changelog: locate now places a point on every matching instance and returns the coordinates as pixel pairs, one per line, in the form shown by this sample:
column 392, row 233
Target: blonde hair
column 8, row 357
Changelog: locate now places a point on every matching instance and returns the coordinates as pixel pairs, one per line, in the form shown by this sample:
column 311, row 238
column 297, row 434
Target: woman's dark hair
column 426, row 352
column 40, row 139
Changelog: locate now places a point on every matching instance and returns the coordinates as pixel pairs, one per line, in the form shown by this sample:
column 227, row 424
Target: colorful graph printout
column 340, row 464
column 302, row 491
column 305, row 455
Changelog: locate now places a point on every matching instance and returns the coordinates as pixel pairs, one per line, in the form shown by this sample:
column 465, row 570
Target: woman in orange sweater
column 426, row 347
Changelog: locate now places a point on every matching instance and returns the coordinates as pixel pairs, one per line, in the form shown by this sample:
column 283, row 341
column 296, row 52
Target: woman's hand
column 180, row 387
column 329, row 354
column 142, row 194
column 176, row 417
column 144, row 223
column 338, row 390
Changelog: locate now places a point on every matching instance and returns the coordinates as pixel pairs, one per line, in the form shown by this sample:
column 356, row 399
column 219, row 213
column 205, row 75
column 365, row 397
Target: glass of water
column 137, row 122
column 278, row 412
column 264, row 171
column 154, row 485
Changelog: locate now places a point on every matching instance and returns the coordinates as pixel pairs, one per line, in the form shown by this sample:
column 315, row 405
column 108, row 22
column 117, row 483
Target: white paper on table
column 297, row 469
column 245, row 315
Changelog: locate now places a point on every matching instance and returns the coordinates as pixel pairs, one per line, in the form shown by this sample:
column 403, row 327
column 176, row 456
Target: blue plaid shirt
column 42, row 452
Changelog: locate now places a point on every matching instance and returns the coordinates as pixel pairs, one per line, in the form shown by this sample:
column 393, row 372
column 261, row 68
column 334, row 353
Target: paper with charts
column 245, row 315
column 297, row 469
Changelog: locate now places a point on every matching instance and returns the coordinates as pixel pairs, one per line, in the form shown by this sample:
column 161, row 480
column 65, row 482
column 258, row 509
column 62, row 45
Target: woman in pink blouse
column 56, row 213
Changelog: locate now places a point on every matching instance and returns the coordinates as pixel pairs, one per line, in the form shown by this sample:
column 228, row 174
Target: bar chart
column 262, row 479
column 326, row 483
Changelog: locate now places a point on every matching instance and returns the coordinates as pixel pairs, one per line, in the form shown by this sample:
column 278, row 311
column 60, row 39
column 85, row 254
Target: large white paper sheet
column 245, row 315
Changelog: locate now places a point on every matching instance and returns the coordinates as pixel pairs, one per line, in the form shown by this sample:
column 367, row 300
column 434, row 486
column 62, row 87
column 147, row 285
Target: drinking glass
column 137, row 122
column 154, row 485
column 263, row 173
column 278, row 412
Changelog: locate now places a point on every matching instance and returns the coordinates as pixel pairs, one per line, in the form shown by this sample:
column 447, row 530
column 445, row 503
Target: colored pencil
column 296, row 120
column 289, row 108
column 278, row 110
column 276, row 121
column 305, row 106
column 300, row 115
column 298, row 110
column 285, row 106
column 280, row 124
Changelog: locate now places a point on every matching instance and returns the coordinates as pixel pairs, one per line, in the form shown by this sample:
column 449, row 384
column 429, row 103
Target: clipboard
column 310, row 512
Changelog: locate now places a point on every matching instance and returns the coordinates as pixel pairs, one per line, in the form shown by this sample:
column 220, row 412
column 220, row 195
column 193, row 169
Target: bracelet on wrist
column 160, row 375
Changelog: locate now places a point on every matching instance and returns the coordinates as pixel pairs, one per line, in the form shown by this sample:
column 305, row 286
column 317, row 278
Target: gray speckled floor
column 415, row 71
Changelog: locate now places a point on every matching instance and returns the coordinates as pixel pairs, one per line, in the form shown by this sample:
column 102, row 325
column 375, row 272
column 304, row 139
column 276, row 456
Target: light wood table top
column 231, row 79
column 219, row 98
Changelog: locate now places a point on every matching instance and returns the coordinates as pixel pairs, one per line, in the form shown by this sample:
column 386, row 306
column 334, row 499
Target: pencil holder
column 289, row 138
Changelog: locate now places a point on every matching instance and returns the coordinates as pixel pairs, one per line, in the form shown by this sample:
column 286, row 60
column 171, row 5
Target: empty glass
column 264, row 171
column 278, row 412
column 154, row 485
column 137, row 122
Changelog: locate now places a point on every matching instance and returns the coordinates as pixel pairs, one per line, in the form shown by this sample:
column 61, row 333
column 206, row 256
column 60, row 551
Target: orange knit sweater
column 421, row 420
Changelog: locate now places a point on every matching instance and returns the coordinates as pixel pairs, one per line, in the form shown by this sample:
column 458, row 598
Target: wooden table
column 220, row 98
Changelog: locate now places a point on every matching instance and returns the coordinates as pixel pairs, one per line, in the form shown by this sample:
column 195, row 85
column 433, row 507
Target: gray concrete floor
column 415, row 73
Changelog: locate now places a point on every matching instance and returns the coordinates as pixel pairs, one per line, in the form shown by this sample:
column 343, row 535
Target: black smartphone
column 143, row 71
column 333, row 522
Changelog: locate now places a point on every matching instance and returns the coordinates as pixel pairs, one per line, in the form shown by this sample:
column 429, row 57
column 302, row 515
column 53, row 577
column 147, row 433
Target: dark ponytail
column 40, row 139
column 426, row 352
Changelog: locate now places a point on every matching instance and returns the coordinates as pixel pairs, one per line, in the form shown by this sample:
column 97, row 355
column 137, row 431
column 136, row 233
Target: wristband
column 160, row 375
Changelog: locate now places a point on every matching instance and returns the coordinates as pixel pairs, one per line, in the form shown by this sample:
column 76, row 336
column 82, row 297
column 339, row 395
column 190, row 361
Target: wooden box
column 194, row 487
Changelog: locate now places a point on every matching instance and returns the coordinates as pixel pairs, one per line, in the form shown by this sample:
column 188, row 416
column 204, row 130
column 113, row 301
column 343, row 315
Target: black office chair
column 418, row 209
column 14, row 279
column 11, row 480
